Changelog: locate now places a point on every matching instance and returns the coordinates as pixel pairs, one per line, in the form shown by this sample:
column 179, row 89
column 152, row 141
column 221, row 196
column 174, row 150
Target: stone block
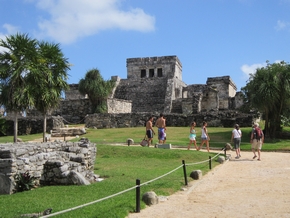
column 196, row 174
column 228, row 146
column 166, row 146
column 150, row 198
column 221, row 159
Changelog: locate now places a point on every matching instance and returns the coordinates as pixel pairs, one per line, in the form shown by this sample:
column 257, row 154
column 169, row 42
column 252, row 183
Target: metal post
column 210, row 162
column 138, row 196
column 184, row 172
column 225, row 150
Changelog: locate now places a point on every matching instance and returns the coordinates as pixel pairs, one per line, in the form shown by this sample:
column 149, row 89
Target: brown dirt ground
column 238, row 188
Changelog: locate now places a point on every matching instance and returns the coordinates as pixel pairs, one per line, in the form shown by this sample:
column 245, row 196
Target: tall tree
column 48, row 79
column 268, row 90
column 97, row 90
column 16, row 62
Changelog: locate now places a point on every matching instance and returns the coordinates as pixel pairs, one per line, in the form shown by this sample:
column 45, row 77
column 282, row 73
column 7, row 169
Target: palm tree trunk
column 44, row 127
column 267, row 133
column 15, row 126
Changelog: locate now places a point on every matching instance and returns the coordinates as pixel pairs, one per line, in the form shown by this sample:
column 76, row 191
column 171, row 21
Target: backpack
column 258, row 133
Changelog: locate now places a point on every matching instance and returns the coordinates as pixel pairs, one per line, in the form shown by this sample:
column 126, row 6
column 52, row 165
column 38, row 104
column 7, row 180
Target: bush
column 24, row 182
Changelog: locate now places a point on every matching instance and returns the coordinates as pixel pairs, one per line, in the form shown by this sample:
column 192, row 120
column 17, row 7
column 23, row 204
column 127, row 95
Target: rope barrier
column 87, row 204
column 124, row 191
column 161, row 176
column 205, row 161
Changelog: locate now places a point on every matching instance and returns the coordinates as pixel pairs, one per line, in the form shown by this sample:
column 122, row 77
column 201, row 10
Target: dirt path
column 238, row 188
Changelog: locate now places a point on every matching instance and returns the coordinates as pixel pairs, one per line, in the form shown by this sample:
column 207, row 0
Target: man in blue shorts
column 161, row 125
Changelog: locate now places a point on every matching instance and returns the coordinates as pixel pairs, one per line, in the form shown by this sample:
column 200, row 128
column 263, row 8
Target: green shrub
column 24, row 182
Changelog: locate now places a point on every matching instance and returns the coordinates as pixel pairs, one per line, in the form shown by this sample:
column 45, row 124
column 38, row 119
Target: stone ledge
column 167, row 146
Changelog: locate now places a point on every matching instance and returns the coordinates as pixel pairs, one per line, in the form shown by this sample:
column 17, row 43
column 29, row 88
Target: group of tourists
column 161, row 125
column 204, row 136
column 257, row 136
column 257, row 140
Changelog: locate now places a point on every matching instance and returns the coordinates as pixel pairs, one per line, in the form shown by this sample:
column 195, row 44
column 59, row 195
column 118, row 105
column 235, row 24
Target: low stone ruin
column 51, row 163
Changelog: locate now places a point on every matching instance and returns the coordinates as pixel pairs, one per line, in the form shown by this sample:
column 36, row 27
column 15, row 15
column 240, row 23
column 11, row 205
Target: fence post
column 138, row 196
column 184, row 172
column 210, row 162
column 225, row 150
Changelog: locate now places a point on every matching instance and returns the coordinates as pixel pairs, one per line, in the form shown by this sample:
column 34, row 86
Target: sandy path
column 238, row 188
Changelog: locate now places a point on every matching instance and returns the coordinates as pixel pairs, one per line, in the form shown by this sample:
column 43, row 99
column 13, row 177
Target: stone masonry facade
column 154, row 85
column 51, row 163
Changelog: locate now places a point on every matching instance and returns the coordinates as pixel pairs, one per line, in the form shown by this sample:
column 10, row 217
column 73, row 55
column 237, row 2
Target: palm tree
column 16, row 62
column 49, row 79
column 268, row 90
column 97, row 90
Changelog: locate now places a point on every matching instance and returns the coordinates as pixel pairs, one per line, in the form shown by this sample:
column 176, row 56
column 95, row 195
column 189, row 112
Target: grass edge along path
column 120, row 166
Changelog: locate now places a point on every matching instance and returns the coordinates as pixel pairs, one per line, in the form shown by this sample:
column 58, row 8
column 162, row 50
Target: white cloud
column 71, row 20
column 282, row 25
column 251, row 69
column 10, row 30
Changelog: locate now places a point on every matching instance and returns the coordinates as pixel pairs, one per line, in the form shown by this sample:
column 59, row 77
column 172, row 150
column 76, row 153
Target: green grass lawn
column 120, row 166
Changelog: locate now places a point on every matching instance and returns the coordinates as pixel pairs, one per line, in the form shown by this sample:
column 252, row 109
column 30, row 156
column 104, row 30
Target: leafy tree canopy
column 268, row 90
column 32, row 74
column 97, row 90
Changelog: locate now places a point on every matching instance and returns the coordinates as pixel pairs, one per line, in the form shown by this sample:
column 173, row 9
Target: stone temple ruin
column 153, row 85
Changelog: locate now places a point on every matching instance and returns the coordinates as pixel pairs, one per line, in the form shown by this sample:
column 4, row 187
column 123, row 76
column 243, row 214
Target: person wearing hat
column 236, row 138
column 257, row 139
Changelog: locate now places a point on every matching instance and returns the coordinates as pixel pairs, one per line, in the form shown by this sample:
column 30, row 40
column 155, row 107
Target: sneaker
column 258, row 159
column 240, row 155
column 237, row 157
column 254, row 157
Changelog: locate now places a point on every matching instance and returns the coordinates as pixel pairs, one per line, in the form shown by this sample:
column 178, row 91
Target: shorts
column 257, row 144
column 161, row 133
column 237, row 142
column 192, row 137
column 203, row 138
column 149, row 133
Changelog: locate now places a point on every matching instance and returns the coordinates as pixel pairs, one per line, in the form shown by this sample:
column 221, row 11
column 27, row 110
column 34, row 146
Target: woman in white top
column 236, row 138
column 204, row 136
column 192, row 136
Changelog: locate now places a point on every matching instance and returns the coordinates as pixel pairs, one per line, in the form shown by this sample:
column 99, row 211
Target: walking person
column 164, row 141
column 257, row 140
column 192, row 136
column 161, row 125
column 236, row 138
column 204, row 136
column 149, row 130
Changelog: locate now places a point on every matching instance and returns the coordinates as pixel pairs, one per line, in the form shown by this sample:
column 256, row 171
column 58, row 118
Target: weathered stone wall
column 239, row 100
column 50, row 163
column 34, row 125
column 210, row 100
column 225, row 87
column 73, row 92
column 116, row 106
column 165, row 66
column 73, row 111
column 191, row 90
column 147, row 94
column 214, row 118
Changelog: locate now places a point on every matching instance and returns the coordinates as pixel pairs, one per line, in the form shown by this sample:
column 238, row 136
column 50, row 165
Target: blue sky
column 210, row 37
